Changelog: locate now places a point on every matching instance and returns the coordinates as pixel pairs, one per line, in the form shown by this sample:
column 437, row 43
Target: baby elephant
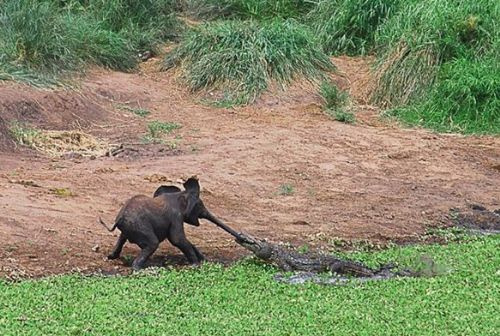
column 147, row 221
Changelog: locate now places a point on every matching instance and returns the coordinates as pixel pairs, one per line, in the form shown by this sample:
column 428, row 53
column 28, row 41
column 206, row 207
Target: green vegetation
column 141, row 112
column 349, row 26
column 41, row 40
column 245, row 300
column 242, row 58
column 156, row 131
column 286, row 189
column 465, row 98
column 157, row 128
column 245, row 9
column 439, row 65
column 23, row 133
column 336, row 103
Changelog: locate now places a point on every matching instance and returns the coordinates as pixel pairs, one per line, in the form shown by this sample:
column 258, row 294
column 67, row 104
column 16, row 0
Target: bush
column 245, row 9
column 348, row 26
column 242, row 58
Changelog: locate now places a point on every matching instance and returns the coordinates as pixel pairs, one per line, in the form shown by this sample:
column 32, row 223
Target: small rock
column 95, row 248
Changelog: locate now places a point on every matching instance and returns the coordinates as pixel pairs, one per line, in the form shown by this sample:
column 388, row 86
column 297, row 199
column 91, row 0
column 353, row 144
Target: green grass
column 138, row 111
column 156, row 131
column 465, row 99
column 349, row 26
column 42, row 41
column 438, row 65
column 23, row 133
column 336, row 103
column 286, row 189
column 245, row 9
column 242, row 58
column 157, row 128
column 245, row 300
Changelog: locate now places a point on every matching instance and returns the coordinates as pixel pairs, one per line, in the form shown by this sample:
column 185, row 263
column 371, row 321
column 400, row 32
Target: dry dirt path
column 371, row 180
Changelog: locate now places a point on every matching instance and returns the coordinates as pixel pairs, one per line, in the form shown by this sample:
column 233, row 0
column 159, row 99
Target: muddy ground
column 373, row 180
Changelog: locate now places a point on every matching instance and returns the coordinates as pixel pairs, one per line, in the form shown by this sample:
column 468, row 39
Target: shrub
column 241, row 58
column 348, row 26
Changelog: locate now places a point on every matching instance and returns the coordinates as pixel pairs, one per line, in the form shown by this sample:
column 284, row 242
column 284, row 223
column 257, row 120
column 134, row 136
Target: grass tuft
column 336, row 102
column 242, row 58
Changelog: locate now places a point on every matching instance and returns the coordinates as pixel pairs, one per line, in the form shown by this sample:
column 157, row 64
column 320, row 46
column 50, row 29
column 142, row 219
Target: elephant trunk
column 207, row 215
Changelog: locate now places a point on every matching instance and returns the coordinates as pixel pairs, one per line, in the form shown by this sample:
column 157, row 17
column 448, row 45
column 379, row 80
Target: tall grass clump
column 241, row 58
column 438, row 65
column 348, row 26
column 426, row 34
column 144, row 23
column 245, row 9
column 465, row 99
column 41, row 40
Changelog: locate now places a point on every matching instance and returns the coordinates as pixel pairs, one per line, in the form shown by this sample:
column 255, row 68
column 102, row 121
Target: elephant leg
column 200, row 255
column 178, row 238
column 118, row 247
column 147, row 249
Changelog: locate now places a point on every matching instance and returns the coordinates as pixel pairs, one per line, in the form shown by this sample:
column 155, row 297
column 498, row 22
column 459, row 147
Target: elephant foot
column 113, row 256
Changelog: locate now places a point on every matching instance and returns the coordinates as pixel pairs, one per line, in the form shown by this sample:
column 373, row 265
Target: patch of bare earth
column 365, row 181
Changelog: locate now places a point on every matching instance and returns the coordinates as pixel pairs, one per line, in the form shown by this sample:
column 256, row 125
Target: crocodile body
column 289, row 260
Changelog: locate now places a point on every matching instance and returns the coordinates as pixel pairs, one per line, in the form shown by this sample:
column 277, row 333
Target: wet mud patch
column 477, row 219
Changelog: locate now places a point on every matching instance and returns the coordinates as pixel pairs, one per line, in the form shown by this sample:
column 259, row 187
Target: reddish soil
column 372, row 180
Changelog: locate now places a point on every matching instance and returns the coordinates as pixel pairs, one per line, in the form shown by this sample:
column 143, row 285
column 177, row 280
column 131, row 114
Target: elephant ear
column 166, row 190
column 192, row 186
column 191, row 202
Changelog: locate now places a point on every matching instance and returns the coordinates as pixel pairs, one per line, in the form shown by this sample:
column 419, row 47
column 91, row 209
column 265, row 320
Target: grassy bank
column 245, row 300
column 438, row 65
column 43, row 40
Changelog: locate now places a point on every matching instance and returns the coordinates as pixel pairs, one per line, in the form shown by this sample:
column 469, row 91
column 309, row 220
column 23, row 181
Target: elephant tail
column 106, row 226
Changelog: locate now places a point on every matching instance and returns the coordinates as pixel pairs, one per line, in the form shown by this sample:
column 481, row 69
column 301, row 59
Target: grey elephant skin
column 147, row 221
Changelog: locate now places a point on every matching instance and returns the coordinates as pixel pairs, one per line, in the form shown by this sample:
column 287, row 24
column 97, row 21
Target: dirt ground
column 371, row 180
